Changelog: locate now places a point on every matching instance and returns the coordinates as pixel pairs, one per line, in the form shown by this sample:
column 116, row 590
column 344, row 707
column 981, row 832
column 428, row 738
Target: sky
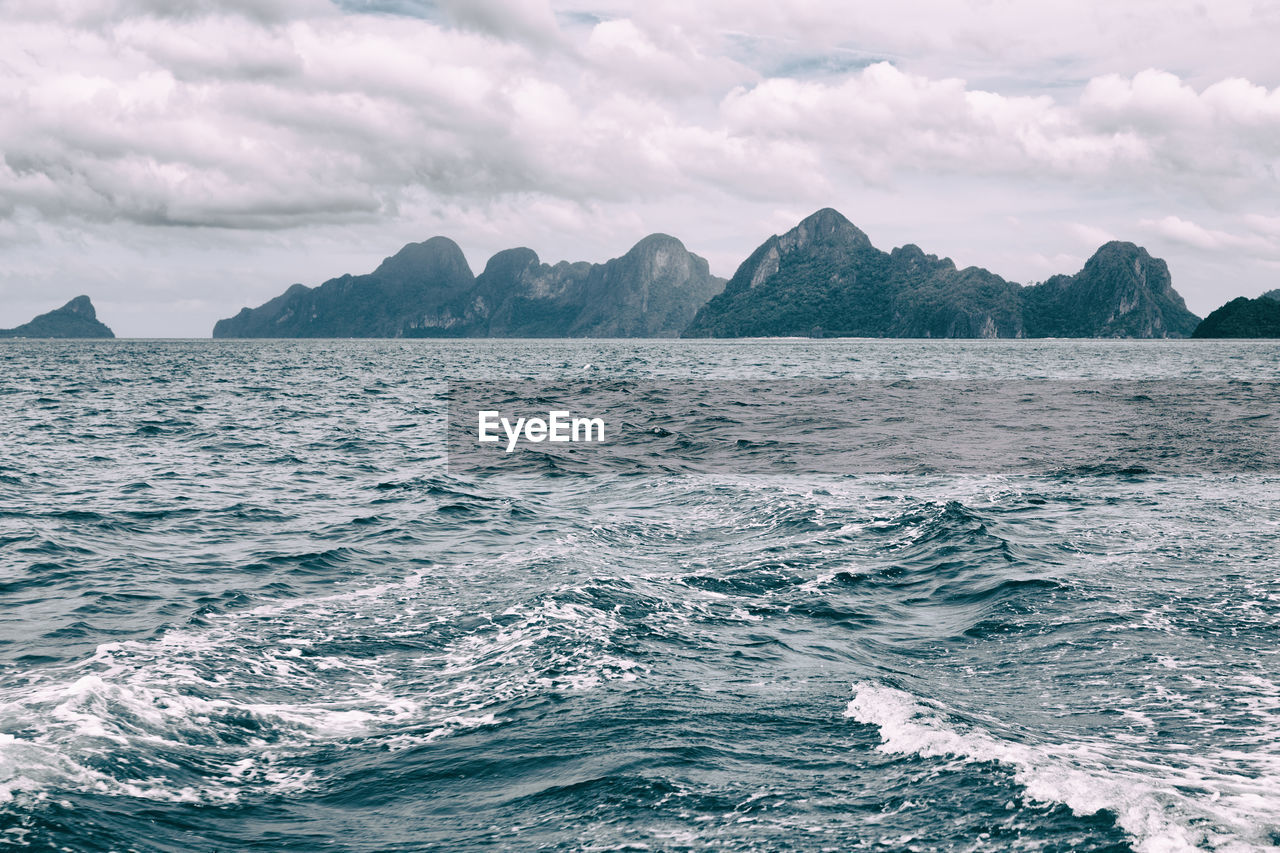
column 179, row 159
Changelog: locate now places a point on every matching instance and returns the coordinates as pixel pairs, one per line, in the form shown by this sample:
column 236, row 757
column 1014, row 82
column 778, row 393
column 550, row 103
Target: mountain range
column 76, row 319
column 428, row 290
column 823, row 277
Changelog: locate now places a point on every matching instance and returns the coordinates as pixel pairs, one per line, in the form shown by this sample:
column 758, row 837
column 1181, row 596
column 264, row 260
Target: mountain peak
column 1131, row 260
column 824, row 227
column 826, row 216
column 655, row 242
column 1120, row 249
column 659, row 253
column 439, row 254
column 76, row 319
column 81, row 306
column 1122, row 291
column 511, row 262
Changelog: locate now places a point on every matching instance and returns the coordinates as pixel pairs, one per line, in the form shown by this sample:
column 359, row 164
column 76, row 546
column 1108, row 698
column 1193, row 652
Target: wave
column 240, row 708
column 1149, row 801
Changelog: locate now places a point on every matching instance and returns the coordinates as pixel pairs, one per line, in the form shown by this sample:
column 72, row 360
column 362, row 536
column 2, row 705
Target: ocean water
column 246, row 605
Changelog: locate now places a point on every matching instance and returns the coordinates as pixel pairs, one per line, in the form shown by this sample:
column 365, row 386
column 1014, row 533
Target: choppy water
column 243, row 606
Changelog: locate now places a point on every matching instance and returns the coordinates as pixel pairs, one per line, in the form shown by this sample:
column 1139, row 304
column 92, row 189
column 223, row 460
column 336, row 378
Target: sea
column 248, row 602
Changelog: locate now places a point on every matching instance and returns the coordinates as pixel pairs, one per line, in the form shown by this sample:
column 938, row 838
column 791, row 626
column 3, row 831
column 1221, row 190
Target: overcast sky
column 178, row 159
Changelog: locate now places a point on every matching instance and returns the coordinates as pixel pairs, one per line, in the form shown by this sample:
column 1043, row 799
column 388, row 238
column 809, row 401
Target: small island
column 76, row 319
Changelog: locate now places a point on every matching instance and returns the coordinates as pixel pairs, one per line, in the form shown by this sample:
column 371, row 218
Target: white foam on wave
column 29, row 767
column 1149, row 802
column 113, row 731
column 243, row 705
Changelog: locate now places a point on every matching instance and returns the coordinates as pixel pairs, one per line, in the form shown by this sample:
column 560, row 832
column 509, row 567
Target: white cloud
column 880, row 120
column 1211, row 240
column 1091, row 235
column 1023, row 45
column 225, row 120
column 664, row 61
column 1266, row 225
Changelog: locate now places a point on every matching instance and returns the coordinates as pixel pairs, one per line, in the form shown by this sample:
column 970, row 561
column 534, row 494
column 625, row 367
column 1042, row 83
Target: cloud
column 663, row 61
column 524, row 20
column 1230, row 129
column 98, row 13
column 1210, row 240
column 1091, row 235
column 214, row 117
column 221, row 122
column 996, row 44
column 881, row 120
column 1266, row 225
column 325, row 123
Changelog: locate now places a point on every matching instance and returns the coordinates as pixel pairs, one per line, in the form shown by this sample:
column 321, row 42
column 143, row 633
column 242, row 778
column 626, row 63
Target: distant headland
column 76, row 319
column 821, row 278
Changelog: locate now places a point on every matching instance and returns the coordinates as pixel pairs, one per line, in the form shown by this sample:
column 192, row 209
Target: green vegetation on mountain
column 825, row 277
column 1244, row 318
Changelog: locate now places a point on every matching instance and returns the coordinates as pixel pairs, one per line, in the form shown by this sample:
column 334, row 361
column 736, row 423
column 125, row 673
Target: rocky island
column 825, row 278
column 76, row 319
column 428, row 290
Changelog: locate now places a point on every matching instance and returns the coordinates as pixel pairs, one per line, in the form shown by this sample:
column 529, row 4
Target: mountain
column 428, row 290
column 1122, row 292
column 825, row 277
column 1243, row 318
column 1272, row 294
column 76, row 319
column 652, row 291
column 824, row 268
column 421, row 288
